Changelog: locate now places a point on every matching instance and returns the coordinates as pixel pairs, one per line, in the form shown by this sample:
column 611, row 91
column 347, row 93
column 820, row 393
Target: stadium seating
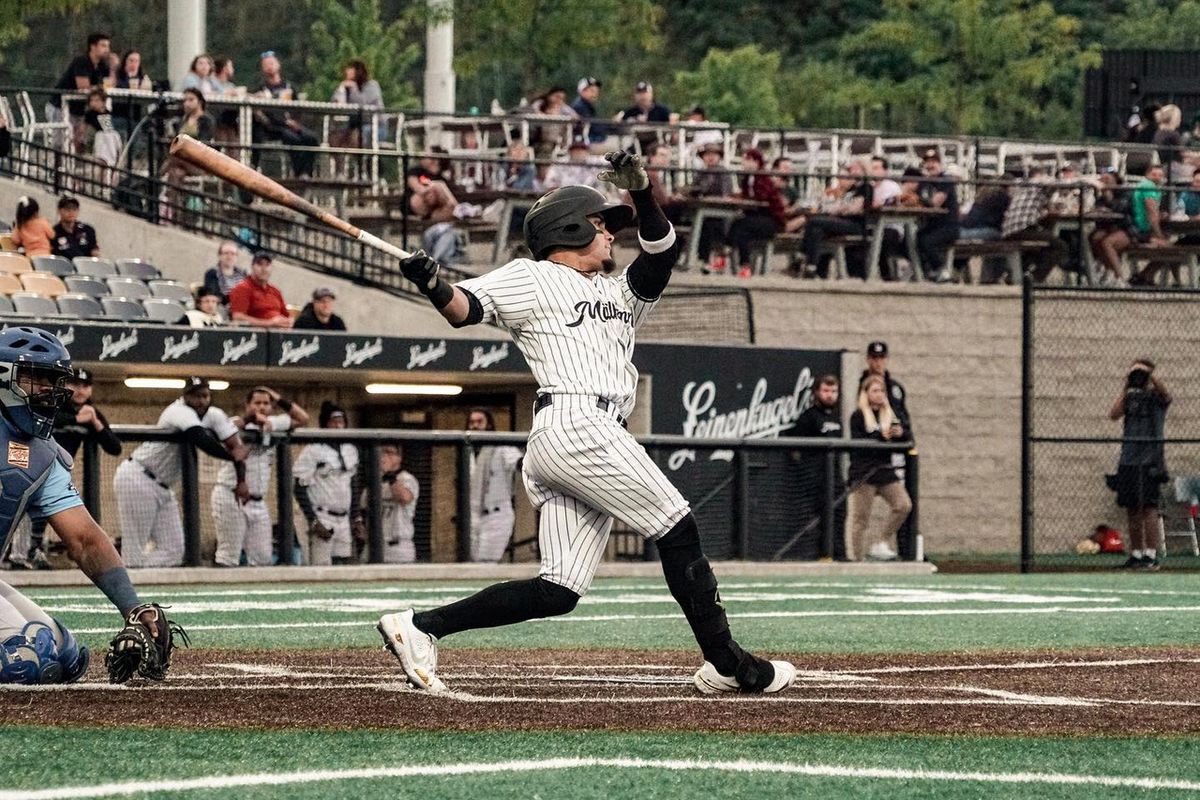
column 130, row 288
column 82, row 284
column 6, row 306
column 171, row 290
column 10, row 283
column 34, row 305
column 96, row 267
column 80, row 305
column 7, row 244
column 137, row 268
column 43, row 283
column 120, row 308
column 55, row 265
column 13, row 263
column 164, row 310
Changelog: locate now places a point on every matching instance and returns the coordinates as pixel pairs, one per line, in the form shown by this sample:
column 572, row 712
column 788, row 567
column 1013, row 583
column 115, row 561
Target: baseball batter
column 325, row 476
column 151, row 528
column 400, row 492
column 492, row 470
column 35, row 478
column 246, row 525
column 575, row 325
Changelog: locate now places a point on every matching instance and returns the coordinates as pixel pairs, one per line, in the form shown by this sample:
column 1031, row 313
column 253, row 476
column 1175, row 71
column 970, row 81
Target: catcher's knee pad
column 554, row 600
column 31, row 656
column 73, row 656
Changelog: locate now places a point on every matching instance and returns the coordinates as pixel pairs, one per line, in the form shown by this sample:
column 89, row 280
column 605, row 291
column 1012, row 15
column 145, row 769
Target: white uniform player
column 247, row 525
column 492, row 470
column 400, row 493
column 575, row 326
column 324, row 474
column 151, row 528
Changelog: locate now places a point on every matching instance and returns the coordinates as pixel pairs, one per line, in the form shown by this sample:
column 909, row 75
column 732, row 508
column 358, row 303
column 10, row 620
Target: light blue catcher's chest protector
column 25, row 464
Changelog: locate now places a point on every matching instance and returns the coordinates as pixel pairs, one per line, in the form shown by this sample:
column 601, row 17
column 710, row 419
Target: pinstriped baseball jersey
column 162, row 458
column 576, row 332
column 260, row 460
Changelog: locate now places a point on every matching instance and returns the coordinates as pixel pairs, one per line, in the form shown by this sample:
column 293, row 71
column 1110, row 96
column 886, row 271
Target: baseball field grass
column 945, row 686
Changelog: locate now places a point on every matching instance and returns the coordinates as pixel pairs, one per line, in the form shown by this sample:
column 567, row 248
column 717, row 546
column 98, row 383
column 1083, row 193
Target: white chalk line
column 562, row 764
column 1124, row 662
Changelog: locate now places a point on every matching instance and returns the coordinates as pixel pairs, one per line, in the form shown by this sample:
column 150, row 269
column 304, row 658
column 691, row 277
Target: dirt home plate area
column 1094, row 691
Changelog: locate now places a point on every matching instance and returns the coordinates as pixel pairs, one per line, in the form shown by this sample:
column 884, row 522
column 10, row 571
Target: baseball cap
column 586, row 82
column 643, row 86
column 712, row 147
column 194, row 384
column 931, row 154
column 261, row 255
column 698, row 111
column 83, row 376
column 322, row 293
column 877, row 349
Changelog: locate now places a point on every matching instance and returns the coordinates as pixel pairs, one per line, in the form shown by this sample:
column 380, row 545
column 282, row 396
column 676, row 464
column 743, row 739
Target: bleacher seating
column 120, row 308
column 33, row 305
column 137, row 268
column 6, row 243
column 80, row 305
column 129, row 288
column 171, row 290
column 96, row 267
column 82, row 284
column 12, row 263
column 55, row 265
column 43, row 283
column 6, row 306
column 10, row 283
column 164, row 310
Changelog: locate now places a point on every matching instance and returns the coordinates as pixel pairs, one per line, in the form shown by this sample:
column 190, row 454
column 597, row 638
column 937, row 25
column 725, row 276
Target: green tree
column 973, row 66
column 1156, row 25
column 829, row 94
column 735, row 86
column 16, row 14
column 341, row 33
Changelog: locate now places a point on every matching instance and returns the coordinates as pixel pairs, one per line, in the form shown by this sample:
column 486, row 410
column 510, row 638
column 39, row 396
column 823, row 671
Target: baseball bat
column 222, row 166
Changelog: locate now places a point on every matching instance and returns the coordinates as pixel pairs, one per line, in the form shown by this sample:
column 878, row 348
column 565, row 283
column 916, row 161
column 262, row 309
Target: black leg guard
column 500, row 604
column 694, row 587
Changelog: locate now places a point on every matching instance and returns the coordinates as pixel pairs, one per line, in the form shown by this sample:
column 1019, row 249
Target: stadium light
column 218, row 386
column 414, row 388
column 155, row 383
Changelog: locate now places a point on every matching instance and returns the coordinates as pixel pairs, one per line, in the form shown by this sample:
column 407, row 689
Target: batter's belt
column 602, row 403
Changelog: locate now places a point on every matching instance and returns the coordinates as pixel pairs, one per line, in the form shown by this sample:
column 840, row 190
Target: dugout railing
column 753, row 498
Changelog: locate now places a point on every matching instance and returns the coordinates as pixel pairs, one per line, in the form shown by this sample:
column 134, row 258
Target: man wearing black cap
column 645, row 109
column 585, row 106
column 326, row 491
column 937, row 233
column 145, row 500
column 318, row 314
column 71, row 237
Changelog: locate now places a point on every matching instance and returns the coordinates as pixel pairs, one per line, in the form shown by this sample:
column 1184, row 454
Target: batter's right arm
column 458, row 306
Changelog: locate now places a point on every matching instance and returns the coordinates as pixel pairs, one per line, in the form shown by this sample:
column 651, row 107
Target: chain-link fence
column 1080, row 345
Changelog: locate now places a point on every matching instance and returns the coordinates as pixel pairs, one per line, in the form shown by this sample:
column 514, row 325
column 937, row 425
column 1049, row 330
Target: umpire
column 821, row 420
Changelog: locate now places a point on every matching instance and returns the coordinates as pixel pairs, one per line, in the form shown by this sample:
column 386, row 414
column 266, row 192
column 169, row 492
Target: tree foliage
column 1156, row 26
column 15, row 16
column 343, row 32
column 735, row 86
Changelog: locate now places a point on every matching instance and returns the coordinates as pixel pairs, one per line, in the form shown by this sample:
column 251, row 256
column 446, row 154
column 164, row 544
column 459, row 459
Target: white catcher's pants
column 16, row 609
column 149, row 513
column 241, row 527
column 582, row 469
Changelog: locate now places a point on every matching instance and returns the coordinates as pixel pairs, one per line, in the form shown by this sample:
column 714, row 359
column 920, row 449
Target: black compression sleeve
column 108, row 441
column 203, row 439
column 651, row 270
column 301, row 493
column 474, row 311
column 652, row 222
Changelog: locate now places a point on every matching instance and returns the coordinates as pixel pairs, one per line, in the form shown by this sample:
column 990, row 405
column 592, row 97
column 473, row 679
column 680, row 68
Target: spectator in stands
column 584, row 106
column 546, row 138
column 427, row 193
column 100, row 137
column 145, row 500
column 223, row 72
column 130, row 74
column 577, row 169
column 83, row 73
column 255, row 301
column 195, row 121
column 821, row 420
column 1169, row 142
column 705, row 136
column 1141, row 468
column 843, row 214
column 317, row 315
column 400, row 493
column 30, row 230
column 1023, row 222
column 520, row 173
column 207, row 313
column 71, row 237
column 275, row 124
column 713, row 180
column 358, row 88
column 1144, row 226
column 645, row 109
column 886, row 192
column 5, row 138
column 221, row 279
column 936, row 234
column 1146, row 124
column 202, row 75
column 782, row 170
column 984, row 222
column 756, row 225
column 873, row 473
column 1189, row 206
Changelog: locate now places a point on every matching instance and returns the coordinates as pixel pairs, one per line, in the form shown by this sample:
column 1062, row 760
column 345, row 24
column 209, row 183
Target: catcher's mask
column 34, row 370
column 560, row 219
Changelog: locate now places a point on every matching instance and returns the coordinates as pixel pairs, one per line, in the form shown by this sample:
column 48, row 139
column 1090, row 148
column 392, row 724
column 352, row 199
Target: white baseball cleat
column 709, row 681
column 413, row 648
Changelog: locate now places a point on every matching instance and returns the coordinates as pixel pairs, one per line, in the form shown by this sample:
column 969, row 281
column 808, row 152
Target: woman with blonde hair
column 872, row 473
column 1169, row 142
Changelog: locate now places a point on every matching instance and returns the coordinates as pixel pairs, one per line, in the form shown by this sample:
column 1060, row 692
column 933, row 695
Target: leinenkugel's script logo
column 357, row 354
column 759, row 419
column 236, row 349
column 111, row 347
column 424, row 356
column 603, row 311
column 293, row 352
column 484, row 357
column 67, row 337
column 175, row 350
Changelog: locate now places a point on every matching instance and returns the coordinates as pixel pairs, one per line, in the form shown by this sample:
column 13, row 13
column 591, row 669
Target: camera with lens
column 1137, row 378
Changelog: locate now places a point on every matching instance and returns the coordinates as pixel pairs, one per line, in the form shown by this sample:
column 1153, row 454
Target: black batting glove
column 421, row 270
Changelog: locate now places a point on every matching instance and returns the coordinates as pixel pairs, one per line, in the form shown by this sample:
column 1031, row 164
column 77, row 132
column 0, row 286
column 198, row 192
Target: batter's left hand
column 626, row 171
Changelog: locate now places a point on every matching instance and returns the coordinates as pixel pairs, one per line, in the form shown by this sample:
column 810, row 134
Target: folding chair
column 1182, row 521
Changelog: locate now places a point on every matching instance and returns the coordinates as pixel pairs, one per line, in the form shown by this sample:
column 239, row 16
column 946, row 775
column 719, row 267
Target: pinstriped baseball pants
column 582, row 470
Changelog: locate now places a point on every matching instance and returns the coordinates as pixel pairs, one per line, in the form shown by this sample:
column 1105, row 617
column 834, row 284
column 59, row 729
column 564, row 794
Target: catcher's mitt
column 144, row 645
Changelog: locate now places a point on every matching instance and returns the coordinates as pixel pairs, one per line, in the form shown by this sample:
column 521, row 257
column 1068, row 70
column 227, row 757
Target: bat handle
column 371, row 240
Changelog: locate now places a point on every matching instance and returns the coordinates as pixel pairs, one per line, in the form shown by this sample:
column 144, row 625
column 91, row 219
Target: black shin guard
column 694, row 587
column 500, row 604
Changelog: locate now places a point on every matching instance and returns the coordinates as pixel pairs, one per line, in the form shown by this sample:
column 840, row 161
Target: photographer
column 1142, row 468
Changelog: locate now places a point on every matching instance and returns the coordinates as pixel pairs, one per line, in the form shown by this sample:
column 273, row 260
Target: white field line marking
column 561, row 764
column 1127, row 662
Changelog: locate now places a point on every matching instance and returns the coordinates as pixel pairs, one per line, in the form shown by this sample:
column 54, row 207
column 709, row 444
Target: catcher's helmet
column 34, row 368
column 559, row 219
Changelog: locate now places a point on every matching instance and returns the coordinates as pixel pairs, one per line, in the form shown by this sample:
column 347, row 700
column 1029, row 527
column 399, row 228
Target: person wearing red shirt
column 255, row 301
column 756, row 225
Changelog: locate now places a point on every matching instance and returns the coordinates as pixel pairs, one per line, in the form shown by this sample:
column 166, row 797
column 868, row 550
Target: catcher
column 35, row 478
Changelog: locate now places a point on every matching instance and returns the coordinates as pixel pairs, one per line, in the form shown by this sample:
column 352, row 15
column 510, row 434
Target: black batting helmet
column 559, row 219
